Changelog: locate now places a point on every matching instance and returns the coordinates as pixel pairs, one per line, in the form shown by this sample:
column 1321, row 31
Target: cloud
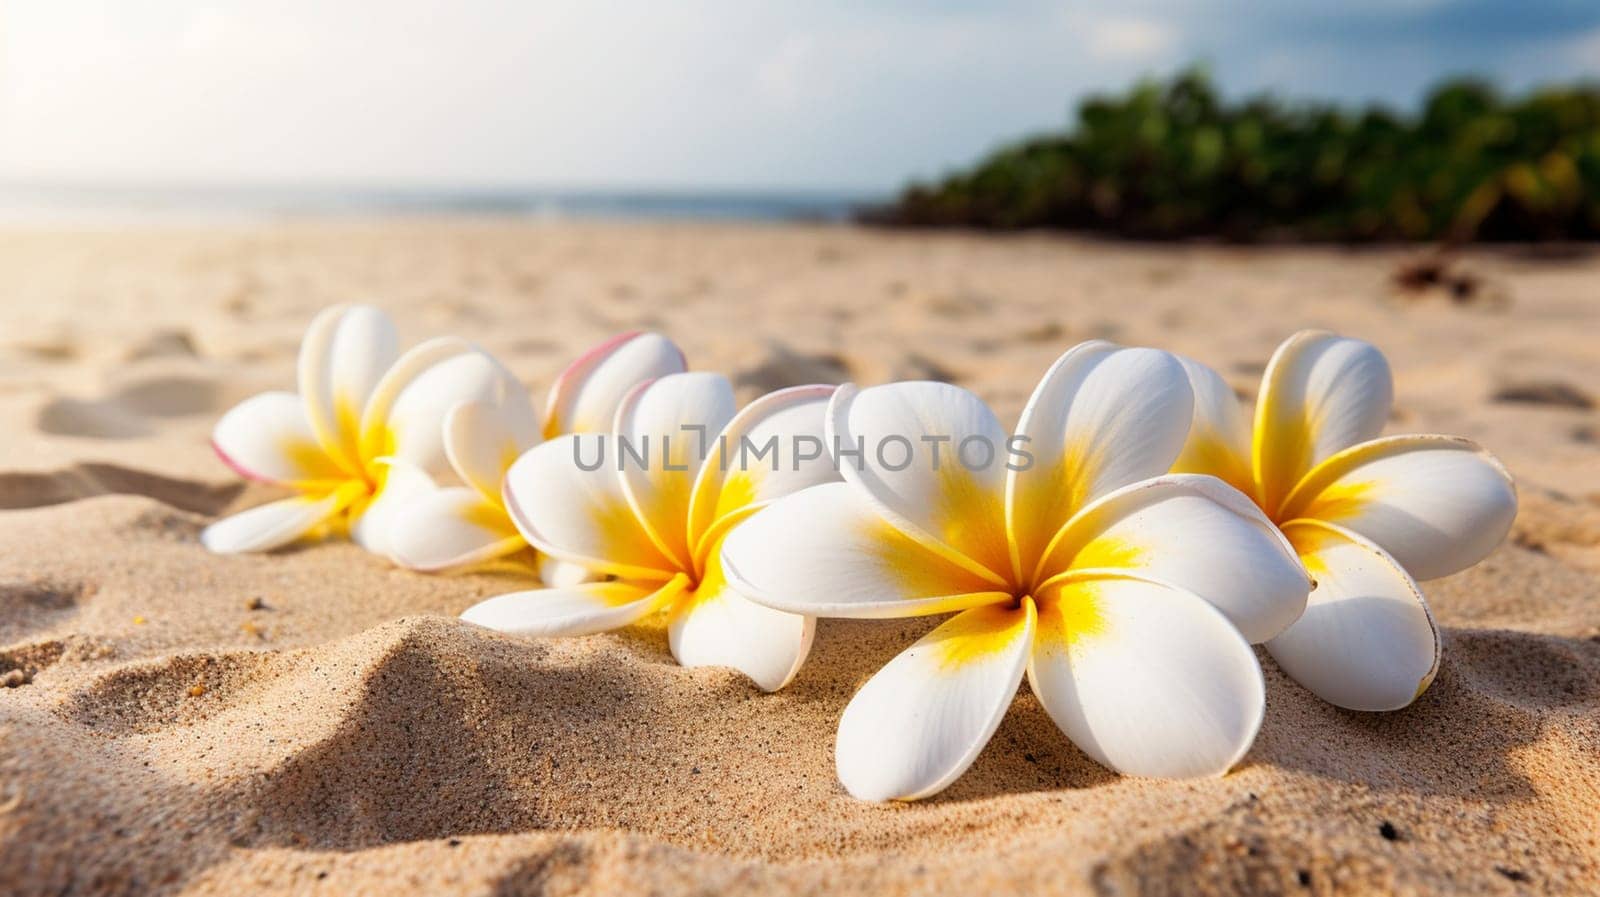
column 1583, row 51
column 783, row 76
column 1130, row 39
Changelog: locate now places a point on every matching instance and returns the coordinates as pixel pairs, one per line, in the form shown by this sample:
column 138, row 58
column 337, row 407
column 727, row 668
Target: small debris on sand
column 1437, row 274
column 1552, row 393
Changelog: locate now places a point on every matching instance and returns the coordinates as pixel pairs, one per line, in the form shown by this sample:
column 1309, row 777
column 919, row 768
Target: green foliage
column 1174, row 160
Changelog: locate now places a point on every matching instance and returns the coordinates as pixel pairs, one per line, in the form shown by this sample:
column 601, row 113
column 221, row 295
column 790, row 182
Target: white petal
column 449, row 528
column 774, row 447
column 376, row 439
column 516, row 410
column 1219, row 436
column 1437, row 504
column 344, row 354
column 909, row 461
column 585, row 398
column 670, row 425
column 1147, row 680
column 716, row 626
column 575, row 610
column 481, row 446
column 919, row 723
column 1102, row 417
column 411, row 428
column 556, row 573
column 1321, row 394
column 268, row 437
column 272, row 525
column 1199, row 535
column 582, row 515
column 826, row 552
column 372, row 522
column 1366, row 640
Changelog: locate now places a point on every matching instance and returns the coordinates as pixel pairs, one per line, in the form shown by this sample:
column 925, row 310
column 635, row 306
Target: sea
column 70, row 203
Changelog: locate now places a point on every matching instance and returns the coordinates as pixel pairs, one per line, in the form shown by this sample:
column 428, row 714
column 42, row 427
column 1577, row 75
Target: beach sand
column 318, row 722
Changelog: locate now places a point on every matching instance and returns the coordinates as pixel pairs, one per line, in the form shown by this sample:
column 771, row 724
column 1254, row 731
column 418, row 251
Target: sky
column 677, row 94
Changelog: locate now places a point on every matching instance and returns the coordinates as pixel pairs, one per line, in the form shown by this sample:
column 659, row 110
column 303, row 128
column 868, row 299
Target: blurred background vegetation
column 1175, row 160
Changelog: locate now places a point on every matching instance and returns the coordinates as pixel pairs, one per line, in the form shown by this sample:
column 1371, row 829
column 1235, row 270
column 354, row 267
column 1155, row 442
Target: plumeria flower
column 362, row 435
column 1129, row 599
column 1367, row 516
column 458, row 525
column 650, row 506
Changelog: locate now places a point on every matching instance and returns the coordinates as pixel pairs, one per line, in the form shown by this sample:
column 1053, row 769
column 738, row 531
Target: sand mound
column 315, row 721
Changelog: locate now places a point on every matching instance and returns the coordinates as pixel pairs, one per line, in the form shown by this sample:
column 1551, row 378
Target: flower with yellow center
column 1129, row 599
column 650, row 504
column 454, row 526
column 361, row 437
column 1367, row 516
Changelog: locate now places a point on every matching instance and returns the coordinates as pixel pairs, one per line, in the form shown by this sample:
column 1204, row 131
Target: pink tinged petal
column 585, row 398
column 451, row 528
column 556, row 572
column 826, row 552
column 344, row 355
column 1436, row 504
column 665, row 429
column 1367, row 640
column 918, row 724
column 772, row 448
column 574, row 610
column 910, row 466
column 1219, row 435
column 1146, row 679
column 1321, row 394
column 268, row 438
column 273, row 525
column 372, row 521
column 716, row 626
column 1197, row 534
column 582, row 515
column 1101, row 418
column 481, row 446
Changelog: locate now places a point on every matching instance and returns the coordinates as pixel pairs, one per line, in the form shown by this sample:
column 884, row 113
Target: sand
column 318, row 722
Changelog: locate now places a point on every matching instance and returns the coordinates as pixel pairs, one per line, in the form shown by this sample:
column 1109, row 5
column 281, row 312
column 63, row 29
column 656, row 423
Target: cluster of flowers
column 1156, row 533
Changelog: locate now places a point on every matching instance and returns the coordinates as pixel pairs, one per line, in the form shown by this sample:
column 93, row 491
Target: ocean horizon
column 25, row 203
